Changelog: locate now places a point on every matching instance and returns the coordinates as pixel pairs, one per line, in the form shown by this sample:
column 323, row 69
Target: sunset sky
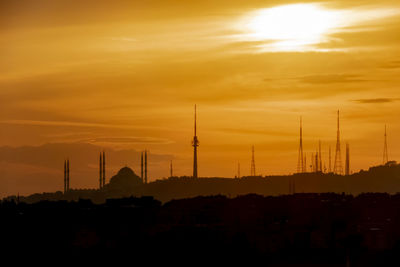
column 77, row 77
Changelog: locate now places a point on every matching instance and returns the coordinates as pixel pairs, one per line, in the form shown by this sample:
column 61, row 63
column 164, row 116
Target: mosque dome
column 124, row 180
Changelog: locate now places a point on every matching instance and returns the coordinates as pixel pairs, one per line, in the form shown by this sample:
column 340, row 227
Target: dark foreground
column 301, row 229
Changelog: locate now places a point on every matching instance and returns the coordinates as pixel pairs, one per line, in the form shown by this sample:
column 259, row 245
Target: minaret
column 238, row 174
column 347, row 167
column 65, row 176
column 300, row 160
column 145, row 166
column 195, row 144
column 253, row 163
column 141, row 167
column 337, row 168
column 385, row 149
column 100, row 171
column 104, row 169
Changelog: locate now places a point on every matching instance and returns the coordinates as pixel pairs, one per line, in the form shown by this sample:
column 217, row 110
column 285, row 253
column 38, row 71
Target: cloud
column 245, row 131
column 128, row 140
column 375, row 100
column 331, row 78
column 391, row 65
column 75, row 124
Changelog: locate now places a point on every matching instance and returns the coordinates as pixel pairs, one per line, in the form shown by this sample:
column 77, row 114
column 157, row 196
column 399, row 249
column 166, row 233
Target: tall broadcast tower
column 385, row 149
column 337, row 167
column 300, row 161
column 195, row 144
column 347, row 165
column 253, row 163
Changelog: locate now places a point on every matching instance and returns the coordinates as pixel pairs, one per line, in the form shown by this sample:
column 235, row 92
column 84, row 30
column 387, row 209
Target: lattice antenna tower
column 337, row 167
column 385, row 149
column 253, row 163
column 300, row 160
column 195, row 144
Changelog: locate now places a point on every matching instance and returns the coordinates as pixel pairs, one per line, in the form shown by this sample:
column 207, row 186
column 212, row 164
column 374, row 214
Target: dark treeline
column 320, row 229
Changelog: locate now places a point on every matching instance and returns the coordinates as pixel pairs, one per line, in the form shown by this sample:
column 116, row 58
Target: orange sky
column 125, row 75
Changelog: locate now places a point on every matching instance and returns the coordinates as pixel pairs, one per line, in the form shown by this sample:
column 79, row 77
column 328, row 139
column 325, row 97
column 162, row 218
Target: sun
column 291, row 27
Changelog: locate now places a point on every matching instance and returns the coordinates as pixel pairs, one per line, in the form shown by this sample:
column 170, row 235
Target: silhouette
column 66, row 176
column 347, row 166
column 195, row 144
column 337, row 167
column 100, row 171
column 385, row 149
column 384, row 178
column 289, row 230
column 124, row 182
column 253, row 163
column 300, row 160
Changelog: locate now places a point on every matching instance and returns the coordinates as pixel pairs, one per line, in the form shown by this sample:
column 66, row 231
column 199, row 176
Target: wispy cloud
column 127, row 140
column 375, row 100
column 77, row 124
column 391, row 65
column 331, row 78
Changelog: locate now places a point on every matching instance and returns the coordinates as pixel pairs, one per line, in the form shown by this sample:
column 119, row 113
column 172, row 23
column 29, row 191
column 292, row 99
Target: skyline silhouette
column 316, row 161
column 123, row 77
column 255, row 132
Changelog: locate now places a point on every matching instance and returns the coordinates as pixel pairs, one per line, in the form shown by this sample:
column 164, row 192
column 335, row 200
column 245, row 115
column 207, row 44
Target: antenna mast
column 300, row 160
column 253, row 163
column 337, row 167
column 385, row 149
column 195, row 144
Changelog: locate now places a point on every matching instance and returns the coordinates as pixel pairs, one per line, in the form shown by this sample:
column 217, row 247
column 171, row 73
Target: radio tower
column 300, row 160
column 337, row 167
column 145, row 166
column 253, row 163
column 141, row 167
column 100, row 171
column 170, row 169
column 385, row 149
column 104, row 169
column 65, row 176
column 238, row 174
column 347, row 167
column 195, row 144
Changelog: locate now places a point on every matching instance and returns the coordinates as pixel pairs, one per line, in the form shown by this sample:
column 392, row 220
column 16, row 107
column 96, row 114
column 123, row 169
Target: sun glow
column 291, row 27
